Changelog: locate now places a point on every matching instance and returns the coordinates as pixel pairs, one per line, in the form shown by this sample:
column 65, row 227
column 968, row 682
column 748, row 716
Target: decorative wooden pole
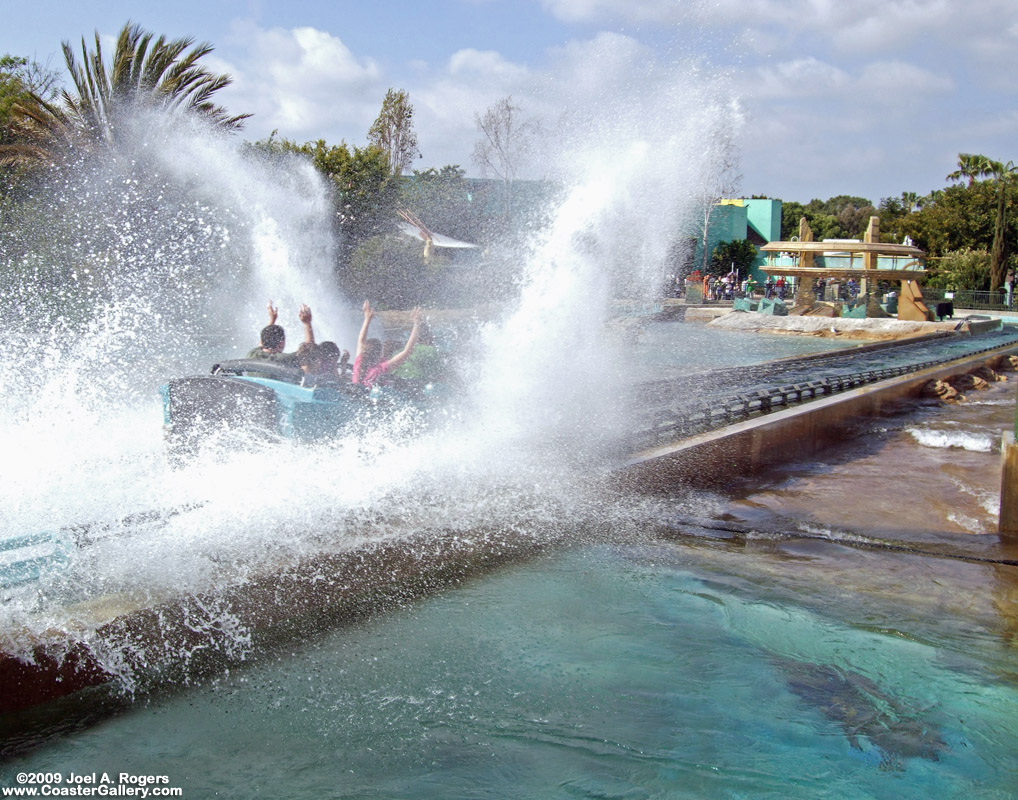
column 1007, row 523
column 805, row 293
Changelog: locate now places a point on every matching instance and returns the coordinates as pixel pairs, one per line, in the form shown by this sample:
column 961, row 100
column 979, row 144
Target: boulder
column 968, row 381
column 942, row 391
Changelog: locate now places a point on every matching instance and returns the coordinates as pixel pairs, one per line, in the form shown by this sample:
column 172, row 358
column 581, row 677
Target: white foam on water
column 963, row 440
column 966, row 522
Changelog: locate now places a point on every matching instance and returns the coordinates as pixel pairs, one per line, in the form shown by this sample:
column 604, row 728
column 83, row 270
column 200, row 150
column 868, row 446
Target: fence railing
column 988, row 301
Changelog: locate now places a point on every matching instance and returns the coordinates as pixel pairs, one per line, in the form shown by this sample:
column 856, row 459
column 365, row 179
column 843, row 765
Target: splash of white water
column 190, row 273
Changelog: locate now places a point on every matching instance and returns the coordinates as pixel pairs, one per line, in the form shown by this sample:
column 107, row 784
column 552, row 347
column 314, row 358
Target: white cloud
column 899, row 82
column 862, row 26
column 581, row 77
column 600, row 89
column 447, row 98
column 627, row 10
column 486, row 65
column 879, row 77
column 303, row 82
column 803, row 77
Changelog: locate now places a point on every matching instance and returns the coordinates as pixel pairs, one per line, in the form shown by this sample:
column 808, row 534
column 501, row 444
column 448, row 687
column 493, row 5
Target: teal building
column 758, row 220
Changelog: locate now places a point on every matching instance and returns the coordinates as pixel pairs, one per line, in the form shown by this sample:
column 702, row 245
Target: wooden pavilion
column 867, row 261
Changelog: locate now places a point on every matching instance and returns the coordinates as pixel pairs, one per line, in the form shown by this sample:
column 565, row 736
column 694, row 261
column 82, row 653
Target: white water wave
column 963, row 440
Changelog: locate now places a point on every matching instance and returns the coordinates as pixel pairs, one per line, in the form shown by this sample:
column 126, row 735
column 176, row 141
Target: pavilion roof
column 878, row 248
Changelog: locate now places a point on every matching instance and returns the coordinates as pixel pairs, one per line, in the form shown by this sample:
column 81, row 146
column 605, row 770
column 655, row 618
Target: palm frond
column 144, row 70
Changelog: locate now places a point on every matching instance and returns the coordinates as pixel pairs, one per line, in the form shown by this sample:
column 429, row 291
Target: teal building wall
column 757, row 220
column 764, row 217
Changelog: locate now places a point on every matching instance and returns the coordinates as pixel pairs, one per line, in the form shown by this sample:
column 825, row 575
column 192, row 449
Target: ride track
column 680, row 407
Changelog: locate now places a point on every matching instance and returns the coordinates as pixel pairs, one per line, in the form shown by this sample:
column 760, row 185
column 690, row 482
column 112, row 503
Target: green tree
column 841, row 217
column 143, row 73
column 959, row 218
column 393, row 131
column 791, row 213
column 972, row 167
column 1003, row 176
column 19, row 79
column 365, row 195
column 738, row 254
column 910, row 201
column 965, row 269
column 364, row 189
column 442, row 198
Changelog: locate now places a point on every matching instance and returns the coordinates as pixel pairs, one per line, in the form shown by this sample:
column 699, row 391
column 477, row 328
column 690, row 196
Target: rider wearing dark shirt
column 273, row 338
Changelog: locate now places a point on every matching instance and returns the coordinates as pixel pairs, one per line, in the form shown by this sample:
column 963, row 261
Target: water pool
column 643, row 670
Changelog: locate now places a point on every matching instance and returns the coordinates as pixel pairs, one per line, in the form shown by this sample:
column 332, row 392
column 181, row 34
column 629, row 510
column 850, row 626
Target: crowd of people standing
column 717, row 288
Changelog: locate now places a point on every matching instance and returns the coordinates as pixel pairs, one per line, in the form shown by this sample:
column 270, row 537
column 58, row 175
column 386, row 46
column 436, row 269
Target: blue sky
column 862, row 97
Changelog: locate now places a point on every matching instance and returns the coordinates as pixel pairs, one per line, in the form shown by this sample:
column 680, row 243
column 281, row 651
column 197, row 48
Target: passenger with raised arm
column 368, row 364
column 272, row 341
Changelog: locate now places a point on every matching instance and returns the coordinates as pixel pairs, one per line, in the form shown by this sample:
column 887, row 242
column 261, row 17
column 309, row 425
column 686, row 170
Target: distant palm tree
column 1003, row 174
column 971, row 166
column 910, row 200
column 143, row 73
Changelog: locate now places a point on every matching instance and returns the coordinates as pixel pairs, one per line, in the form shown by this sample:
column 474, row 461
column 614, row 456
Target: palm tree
column 1003, row 174
column 143, row 73
column 910, row 200
column 971, row 166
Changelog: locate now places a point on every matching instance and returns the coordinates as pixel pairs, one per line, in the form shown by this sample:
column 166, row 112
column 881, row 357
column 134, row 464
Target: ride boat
column 258, row 395
column 264, row 397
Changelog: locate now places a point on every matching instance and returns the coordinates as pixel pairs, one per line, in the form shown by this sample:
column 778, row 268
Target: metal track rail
column 682, row 408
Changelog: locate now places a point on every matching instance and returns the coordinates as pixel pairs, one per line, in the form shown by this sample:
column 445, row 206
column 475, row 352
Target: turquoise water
column 644, row 670
column 676, row 349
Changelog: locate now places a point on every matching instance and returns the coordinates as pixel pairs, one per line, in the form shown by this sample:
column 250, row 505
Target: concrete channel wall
column 283, row 606
column 708, row 460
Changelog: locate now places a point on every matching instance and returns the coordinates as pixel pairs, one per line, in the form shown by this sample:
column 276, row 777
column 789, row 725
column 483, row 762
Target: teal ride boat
column 269, row 399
